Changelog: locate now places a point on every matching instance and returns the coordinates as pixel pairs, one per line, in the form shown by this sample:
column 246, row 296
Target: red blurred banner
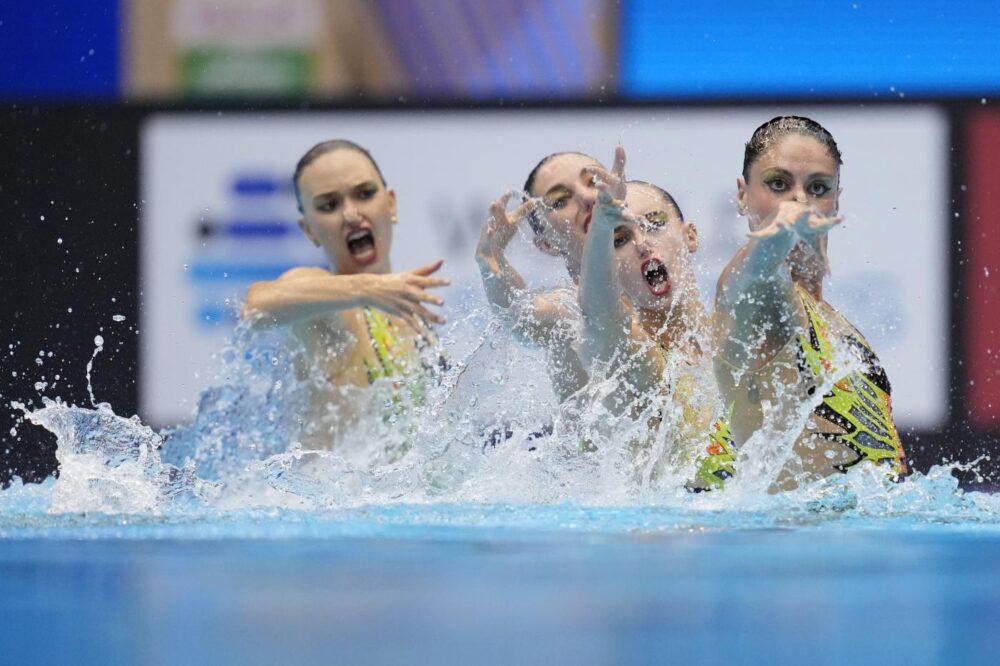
column 982, row 267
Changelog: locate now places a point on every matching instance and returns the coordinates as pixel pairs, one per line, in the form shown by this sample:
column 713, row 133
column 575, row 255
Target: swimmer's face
column 568, row 196
column 796, row 168
column 347, row 211
column 653, row 260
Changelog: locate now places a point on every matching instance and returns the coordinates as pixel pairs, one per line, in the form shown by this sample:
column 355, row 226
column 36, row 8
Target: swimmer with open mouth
column 643, row 318
column 358, row 320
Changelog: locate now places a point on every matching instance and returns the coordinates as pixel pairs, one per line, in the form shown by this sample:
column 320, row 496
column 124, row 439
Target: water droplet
column 98, row 341
column 986, row 271
column 118, row 317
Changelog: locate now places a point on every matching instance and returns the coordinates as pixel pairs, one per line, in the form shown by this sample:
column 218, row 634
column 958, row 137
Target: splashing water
column 483, row 444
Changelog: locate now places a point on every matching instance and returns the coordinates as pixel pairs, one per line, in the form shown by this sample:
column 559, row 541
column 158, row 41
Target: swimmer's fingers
column 417, row 295
column 501, row 226
column 498, row 210
column 525, row 209
column 424, row 314
column 426, row 282
column 817, row 224
column 427, row 269
column 618, row 166
column 773, row 230
column 612, row 184
column 415, row 323
column 407, row 306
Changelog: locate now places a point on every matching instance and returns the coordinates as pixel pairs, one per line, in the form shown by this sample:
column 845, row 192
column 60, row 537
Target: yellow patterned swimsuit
column 855, row 413
column 392, row 358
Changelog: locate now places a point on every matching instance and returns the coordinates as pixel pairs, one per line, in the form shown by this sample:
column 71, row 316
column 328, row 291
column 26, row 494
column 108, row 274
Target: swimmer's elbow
column 255, row 308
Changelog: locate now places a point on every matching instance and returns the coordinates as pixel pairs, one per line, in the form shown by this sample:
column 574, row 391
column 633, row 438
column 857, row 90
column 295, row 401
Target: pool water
column 223, row 542
column 500, row 585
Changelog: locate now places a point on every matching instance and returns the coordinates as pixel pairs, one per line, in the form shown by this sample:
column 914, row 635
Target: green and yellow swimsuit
column 855, row 413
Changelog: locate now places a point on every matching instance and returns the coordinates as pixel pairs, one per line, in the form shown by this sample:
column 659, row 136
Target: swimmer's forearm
column 755, row 311
column 605, row 318
column 501, row 281
column 289, row 301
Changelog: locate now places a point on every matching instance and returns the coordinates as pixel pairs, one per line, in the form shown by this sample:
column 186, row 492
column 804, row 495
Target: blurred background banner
column 378, row 48
column 148, row 146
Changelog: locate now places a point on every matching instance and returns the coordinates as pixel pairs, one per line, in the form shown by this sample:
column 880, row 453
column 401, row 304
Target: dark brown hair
column 779, row 127
column 663, row 193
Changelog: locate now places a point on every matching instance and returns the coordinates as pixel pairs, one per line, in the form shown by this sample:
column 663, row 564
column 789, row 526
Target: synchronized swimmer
column 632, row 312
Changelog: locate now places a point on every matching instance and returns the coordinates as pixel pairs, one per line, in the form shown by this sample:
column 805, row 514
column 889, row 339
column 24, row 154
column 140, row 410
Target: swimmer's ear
column 690, row 236
column 304, row 226
column 392, row 203
column 741, row 195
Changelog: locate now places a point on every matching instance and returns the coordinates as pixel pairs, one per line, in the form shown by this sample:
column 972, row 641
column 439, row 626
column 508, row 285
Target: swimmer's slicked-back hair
column 667, row 197
column 322, row 148
column 779, row 127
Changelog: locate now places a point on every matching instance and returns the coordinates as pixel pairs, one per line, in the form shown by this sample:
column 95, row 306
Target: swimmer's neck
column 679, row 328
column 810, row 277
column 574, row 268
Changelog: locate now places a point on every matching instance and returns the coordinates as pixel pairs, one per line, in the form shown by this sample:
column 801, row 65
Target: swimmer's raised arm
column 756, row 310
column 610, row 330
column 537, row 317
column 302, row 294
column 504, row 286
column 606, row 317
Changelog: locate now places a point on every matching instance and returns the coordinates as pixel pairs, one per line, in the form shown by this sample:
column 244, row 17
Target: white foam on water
column 486, row 432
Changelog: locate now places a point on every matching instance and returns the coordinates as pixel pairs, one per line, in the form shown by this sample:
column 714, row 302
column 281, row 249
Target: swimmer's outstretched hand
column 403, row 294
column 797, row 219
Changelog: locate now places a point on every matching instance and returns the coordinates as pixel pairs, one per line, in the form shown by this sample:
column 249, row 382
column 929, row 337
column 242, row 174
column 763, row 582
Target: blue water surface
column 498, row 585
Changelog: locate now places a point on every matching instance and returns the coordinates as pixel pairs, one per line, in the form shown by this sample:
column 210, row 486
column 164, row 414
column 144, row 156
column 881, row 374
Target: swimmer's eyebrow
column 775, row 171
column 326, row 195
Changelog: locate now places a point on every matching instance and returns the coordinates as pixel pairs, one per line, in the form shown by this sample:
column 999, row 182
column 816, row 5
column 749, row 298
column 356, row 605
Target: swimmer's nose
column 587, row 196
column 801, row 196
column 351, row 213
column 642, row 245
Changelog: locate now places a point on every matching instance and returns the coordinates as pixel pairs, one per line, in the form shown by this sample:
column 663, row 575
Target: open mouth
column 361, row 245
column 656, row 276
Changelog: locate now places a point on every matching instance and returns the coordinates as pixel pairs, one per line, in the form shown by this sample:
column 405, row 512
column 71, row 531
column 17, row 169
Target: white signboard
column 218, row 213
